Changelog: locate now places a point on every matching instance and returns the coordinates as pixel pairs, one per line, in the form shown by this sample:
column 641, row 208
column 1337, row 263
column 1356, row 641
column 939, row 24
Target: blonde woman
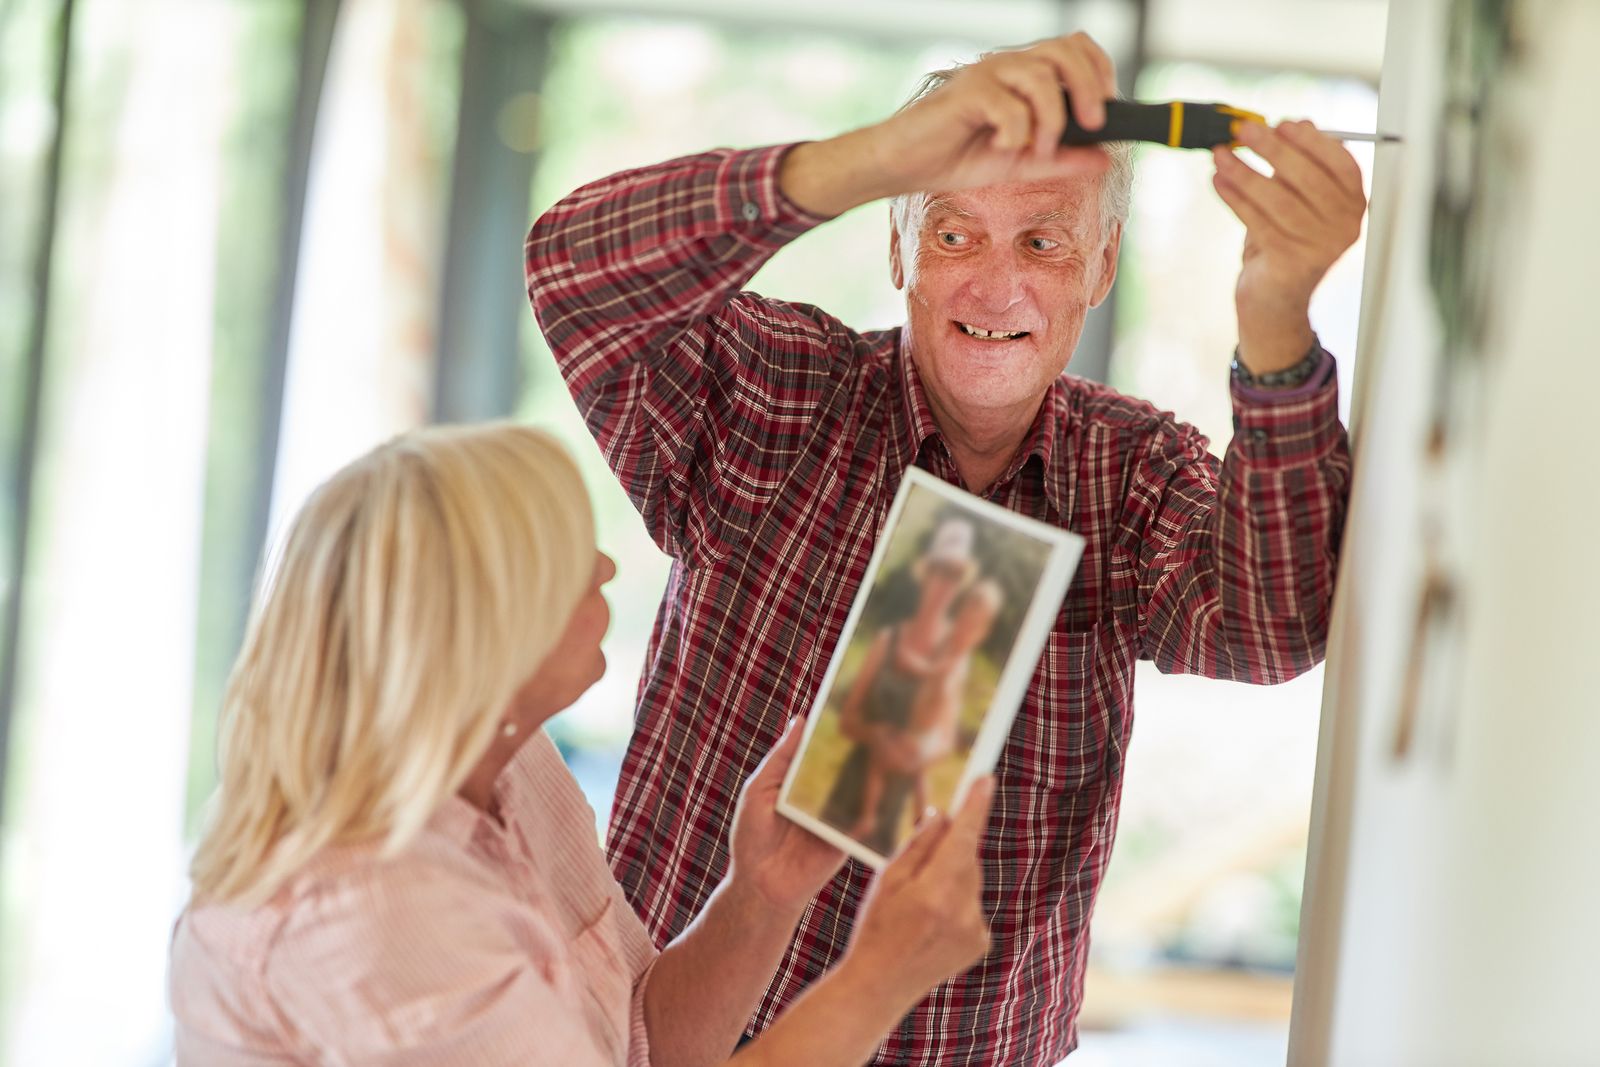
column 398, row 868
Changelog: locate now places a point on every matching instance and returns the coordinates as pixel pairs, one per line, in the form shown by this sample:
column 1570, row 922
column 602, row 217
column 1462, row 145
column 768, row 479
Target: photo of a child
column 903, row 707
column 921, row 663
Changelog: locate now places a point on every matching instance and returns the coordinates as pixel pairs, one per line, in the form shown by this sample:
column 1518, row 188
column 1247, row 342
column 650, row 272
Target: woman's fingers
column 956, row 858
column 925, row 911
column 958, row 874
column 914, row 856
column 769, row 773
column 968, row 825
column 789, row 742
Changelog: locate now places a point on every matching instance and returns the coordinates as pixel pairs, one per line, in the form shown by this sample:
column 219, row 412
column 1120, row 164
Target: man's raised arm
column 1237, row 564
column 695, row 391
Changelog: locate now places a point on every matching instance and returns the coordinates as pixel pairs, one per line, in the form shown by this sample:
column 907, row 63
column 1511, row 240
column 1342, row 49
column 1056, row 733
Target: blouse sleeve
column 638, row 1034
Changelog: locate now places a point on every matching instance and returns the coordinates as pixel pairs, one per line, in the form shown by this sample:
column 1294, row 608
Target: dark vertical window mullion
column 478, row 374
column 1092, row 359
column 242, row 543
column 316, row 44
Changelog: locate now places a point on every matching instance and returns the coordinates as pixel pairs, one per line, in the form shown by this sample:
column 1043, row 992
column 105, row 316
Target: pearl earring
column 509, row 729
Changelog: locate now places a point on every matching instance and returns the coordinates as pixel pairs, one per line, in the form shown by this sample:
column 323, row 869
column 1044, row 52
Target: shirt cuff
column 751, row 203
column 1314, row 381
column 1288, row 427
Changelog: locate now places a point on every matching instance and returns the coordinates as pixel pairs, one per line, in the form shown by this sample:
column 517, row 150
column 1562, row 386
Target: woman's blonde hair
column 415, row 592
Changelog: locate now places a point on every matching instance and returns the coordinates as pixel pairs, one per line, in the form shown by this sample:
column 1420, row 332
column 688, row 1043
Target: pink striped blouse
column 481, row 944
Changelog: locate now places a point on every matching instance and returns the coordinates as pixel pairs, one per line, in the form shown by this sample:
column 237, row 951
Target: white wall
column 1451, row 904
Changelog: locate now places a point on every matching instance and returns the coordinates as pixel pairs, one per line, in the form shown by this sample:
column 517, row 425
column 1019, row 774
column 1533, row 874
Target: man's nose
column 998, row 282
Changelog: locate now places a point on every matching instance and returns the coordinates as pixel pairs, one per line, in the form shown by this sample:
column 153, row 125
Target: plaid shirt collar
column 917, row 427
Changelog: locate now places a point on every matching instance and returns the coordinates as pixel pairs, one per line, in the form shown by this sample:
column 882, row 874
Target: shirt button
column 1258, row 436
column 751, row 211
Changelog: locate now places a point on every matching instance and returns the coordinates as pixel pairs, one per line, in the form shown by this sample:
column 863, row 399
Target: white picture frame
column 935, row 695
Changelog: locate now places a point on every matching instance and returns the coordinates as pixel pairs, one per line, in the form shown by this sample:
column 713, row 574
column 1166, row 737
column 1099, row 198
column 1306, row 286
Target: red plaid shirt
column 763, row 442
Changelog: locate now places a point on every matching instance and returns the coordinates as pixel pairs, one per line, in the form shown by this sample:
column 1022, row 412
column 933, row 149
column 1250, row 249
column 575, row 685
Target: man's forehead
column 1034, row 203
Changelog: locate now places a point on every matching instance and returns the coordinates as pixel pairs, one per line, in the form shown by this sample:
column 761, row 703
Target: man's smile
column 990, row 335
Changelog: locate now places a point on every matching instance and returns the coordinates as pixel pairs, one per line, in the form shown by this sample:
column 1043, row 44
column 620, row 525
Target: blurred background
column 242, row 241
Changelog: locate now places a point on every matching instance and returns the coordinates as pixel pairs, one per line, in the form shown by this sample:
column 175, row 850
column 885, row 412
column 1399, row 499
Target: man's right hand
column 922, row 920
column 998, row 120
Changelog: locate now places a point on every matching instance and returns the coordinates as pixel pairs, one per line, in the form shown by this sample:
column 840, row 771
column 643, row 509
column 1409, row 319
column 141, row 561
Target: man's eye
column 1043, row 244
column 951, row 240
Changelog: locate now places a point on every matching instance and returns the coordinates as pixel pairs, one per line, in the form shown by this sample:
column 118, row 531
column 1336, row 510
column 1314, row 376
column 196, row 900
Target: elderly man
column 763, row 442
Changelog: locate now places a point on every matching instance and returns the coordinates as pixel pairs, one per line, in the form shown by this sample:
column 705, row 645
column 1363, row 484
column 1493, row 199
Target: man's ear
column 1108, row 265
column 897, row 272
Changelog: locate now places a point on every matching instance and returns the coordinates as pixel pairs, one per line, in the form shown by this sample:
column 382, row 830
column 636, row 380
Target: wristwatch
column 1287, row 378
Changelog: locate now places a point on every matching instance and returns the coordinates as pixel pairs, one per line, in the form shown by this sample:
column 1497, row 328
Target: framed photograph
column 932, row 664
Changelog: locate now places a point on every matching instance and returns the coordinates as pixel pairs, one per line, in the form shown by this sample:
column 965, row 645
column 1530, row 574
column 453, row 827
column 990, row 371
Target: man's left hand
column 1297, row 223
column 780, row 861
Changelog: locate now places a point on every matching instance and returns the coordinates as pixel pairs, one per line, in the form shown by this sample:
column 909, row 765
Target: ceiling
column 1322, row 36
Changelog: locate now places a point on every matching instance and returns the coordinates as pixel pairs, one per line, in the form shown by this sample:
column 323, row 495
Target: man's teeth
column 991, row 335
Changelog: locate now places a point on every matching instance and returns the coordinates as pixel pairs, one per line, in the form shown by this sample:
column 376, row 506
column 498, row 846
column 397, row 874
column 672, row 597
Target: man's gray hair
column 1116, row 185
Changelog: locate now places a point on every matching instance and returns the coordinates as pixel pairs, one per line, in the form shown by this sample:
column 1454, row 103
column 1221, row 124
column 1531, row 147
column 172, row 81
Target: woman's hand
column 779, row 861
column 922, row 920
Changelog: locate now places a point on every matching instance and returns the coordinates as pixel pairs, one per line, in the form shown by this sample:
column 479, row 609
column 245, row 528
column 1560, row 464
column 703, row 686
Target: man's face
column 1023, row 261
